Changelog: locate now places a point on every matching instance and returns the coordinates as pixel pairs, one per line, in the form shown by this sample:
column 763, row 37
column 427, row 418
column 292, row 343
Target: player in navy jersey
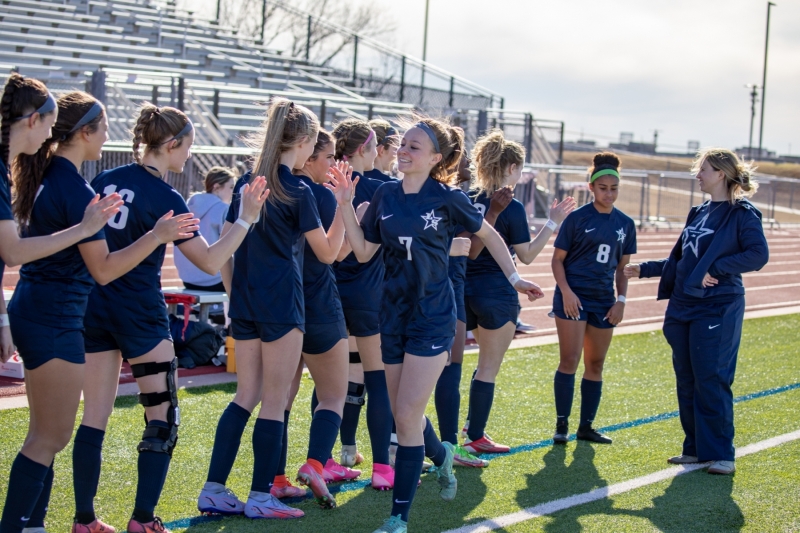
column 591, row 250
column 702, row 278
column 50, row 299
column 268, row 321
column 127, row 318
column 27, row 114
column 388, row 139
column 413, row 221
column 492, row 306
column 361, row 290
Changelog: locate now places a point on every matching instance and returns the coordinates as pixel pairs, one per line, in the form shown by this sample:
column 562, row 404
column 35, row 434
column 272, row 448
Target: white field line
column 611, row 490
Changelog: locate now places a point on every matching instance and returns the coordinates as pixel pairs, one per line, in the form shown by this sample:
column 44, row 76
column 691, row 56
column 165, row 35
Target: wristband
column 550, row 225
column 621, row 298
column 514, row 278
column 242, row 223
column 4, row 321
column 158, row 239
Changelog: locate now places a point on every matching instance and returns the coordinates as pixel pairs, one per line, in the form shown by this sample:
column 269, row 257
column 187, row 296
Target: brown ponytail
column 350, row 135
column 30, row 169
column 21, row 95
column 286, row 126
column 155, row 126
column 493, row 155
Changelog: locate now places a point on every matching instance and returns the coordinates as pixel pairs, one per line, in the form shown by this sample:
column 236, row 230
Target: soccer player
column 268, row 315
column 591, row 250
column 702, row 278
column 361, row 290
column 413, row 221
column 388, row 139
column 127, row 318
column 46, row 311
column 492, row 305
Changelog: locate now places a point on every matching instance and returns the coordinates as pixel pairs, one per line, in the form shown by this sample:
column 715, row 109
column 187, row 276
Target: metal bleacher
column 130, row 51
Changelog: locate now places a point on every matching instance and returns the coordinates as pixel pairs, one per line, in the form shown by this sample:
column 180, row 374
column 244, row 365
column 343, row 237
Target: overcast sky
column 678, row 66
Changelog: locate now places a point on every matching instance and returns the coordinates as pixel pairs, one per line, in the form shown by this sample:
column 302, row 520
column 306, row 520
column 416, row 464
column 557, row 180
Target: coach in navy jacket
column 702, row 279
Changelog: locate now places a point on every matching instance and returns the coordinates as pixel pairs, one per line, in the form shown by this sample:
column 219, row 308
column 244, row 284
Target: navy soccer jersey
column 361, row 284
column 322, row 301
column 376, row 174
column 484, row 275
column 5, row 203
column 595, row 243
column 133, row 304
column 415, row 232
column 268, row 266
column 53, row 291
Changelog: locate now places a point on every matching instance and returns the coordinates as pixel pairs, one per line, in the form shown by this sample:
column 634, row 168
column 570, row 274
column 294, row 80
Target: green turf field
column 762, row 496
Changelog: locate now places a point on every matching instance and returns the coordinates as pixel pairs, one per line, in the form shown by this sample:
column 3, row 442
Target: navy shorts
column 247, row 330
column 490, row 313
column 395, row 347
column 320, row 338
column 362, row 323
column 101, row 340
column 38, row 344
column 595, row 319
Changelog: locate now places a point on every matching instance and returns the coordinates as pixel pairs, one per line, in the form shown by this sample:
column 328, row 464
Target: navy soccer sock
column 86, row 462
column 25, row 484
column 564, row 389
column 379, row 415
column 226, row 442
column 448, row 402
column 314, row 401
column 267, row 443
column 153, row 467
column 350, row 416
column 407, row 469
column 434, row 449
column 40, row 511
column 481, row 397
column 284, row 446
column 591, row 391
column 322, row 436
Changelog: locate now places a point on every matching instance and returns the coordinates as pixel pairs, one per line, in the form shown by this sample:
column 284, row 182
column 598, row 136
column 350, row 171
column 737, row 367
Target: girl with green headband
column 595, row 243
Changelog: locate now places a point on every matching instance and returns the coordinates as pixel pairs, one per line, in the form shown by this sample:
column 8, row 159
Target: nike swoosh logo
column 388, row 216
column 25, row 519
column 588, row 230
column 712, row 327
column 231, row 505
column 337, row 473
column 401, row 501
column 436, row 347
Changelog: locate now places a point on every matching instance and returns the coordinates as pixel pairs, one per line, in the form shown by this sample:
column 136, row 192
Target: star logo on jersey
column 693, row 234
column 621, row 235
column 431, row 221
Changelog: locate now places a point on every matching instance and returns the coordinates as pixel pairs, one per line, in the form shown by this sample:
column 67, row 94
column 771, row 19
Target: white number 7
column 407, row 242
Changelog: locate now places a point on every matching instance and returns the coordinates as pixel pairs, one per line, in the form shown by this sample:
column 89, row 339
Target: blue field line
column 357, row 485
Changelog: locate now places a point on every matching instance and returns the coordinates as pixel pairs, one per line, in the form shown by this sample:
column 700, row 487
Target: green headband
column 606, row 172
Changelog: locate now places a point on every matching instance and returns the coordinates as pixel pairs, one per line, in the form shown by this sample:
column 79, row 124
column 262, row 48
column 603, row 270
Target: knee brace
column 355, row 358
column 167, row 436
column 355, row 393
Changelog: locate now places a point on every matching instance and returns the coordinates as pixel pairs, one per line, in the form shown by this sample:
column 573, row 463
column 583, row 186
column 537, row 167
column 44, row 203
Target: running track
column 776, row 285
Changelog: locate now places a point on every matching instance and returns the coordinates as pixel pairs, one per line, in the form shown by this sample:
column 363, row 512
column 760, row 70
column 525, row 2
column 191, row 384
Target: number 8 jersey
column 595, row 243
column 134, row 304
column 415, row 231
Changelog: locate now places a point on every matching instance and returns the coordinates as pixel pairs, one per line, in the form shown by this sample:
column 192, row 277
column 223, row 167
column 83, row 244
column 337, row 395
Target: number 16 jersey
column 595, row 243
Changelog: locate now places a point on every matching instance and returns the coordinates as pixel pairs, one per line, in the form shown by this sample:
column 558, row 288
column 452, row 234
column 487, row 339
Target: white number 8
column 602, row 253
column 119, row 221
column 407, row 242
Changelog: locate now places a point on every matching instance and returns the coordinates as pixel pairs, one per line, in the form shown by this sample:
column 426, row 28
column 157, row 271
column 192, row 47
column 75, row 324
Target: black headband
column 186, row 129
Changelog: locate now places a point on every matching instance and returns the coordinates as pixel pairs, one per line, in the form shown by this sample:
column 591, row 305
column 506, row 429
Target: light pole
column 753, row 101
column 424, row 50
column 764, row 83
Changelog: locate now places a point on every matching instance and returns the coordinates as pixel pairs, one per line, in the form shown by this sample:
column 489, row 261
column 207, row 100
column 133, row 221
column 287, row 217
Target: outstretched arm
column 528, row 251
column 494, row 243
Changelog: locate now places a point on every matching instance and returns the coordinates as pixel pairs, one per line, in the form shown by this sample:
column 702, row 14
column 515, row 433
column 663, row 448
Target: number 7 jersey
column 134, row 304
column 595, row 243
column 415, row 232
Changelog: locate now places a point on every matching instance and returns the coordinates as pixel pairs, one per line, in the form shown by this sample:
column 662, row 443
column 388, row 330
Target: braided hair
column 154, row 126
column 21, row 95
column 350, row 135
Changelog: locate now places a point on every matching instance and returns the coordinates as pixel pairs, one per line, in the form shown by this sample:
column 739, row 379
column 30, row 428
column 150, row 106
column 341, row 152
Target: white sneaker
column 350, row 456
column 218, row 499
column 265, row 505
column 724, row 468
